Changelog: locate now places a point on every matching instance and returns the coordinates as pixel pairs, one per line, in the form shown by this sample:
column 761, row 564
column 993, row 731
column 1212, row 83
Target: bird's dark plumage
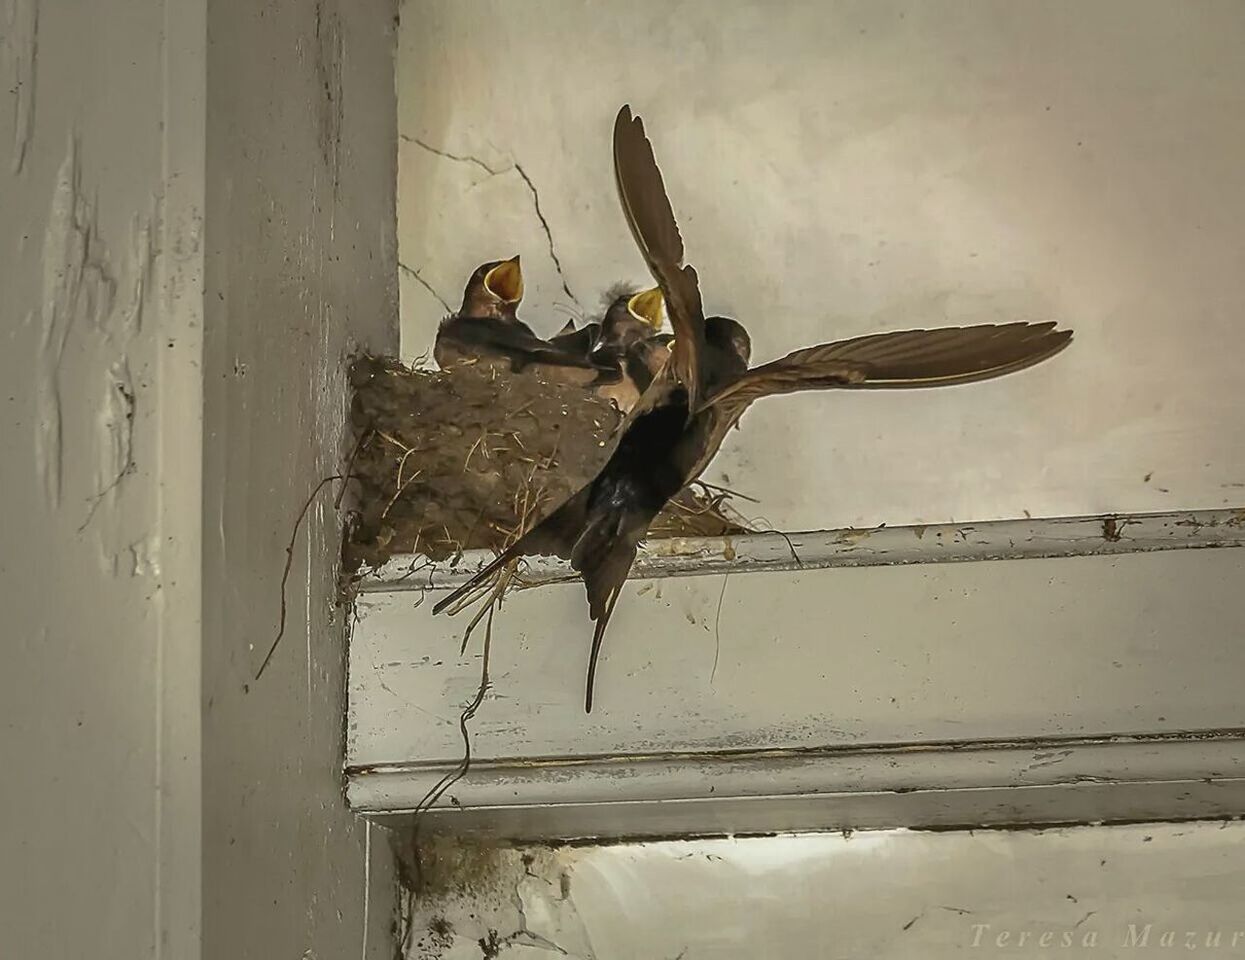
column 642, row 194
column 679, row 423
column 580, row 342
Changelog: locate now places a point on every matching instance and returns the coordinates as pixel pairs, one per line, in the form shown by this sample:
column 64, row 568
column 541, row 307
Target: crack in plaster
column 515, row 167
column 86, row 331
column 524, row 934
column 116, row 420
column 426, row 285
column 77, row 283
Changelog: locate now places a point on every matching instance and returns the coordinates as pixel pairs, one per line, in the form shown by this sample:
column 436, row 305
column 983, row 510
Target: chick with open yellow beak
column 632, row 343
column 486, row 330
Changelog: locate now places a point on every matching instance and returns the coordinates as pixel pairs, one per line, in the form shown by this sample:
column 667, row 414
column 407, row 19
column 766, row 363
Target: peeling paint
column 137, row 559
column 92, row 309
column 115, row 421
column 805, row 895
column 127, row 322
column 144, row 556
column 329, row 106
column 77, row 285
column 19, row 43
column 523, row 907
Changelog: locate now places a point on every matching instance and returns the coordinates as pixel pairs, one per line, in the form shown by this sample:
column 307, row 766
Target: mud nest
column 456, row 459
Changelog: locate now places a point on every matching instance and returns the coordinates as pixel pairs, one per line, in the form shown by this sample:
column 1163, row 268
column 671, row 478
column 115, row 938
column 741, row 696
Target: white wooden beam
column 1096, row 679
column 991, row 784
column 1106, row 534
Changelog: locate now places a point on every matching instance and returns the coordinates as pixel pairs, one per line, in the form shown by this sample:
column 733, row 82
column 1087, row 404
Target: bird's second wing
column 904, row 359
column 651, row 219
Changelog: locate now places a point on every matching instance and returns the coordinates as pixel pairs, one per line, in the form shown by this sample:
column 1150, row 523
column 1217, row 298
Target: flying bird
column 486, row 330
column 677, row 426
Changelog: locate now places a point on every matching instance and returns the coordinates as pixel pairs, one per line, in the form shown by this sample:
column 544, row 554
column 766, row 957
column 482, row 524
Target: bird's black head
column 494, row 290
column 729, row 336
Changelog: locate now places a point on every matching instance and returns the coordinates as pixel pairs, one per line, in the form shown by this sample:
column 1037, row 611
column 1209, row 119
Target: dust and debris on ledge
column 456, row 459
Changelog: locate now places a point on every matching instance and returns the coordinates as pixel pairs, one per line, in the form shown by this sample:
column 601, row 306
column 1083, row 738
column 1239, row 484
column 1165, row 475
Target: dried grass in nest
column 463, row 458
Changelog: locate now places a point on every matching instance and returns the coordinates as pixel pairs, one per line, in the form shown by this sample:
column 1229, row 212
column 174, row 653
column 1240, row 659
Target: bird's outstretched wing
column 651, row 219
column 903, row 359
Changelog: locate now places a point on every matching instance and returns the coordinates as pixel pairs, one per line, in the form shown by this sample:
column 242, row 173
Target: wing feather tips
column 938, row 355
column 642, row 191
column 650, row 217
column 965, row 361
column 903, row 359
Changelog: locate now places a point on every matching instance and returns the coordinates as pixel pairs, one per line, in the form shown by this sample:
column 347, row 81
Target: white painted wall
column 101, row 203
column 844, row 167
column 1074, row 646
column 1129, row 891
column 156, row 187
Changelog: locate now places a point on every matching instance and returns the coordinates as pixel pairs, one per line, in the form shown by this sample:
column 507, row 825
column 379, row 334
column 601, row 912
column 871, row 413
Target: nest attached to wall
column 451, row 460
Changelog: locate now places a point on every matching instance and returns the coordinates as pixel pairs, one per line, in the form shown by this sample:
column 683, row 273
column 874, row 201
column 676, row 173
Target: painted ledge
column 863, row 547
column 989, row 784
column 1077, row 759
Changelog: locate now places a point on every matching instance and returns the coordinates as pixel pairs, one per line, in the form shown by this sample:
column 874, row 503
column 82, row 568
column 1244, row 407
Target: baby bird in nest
column 487, row 331
column 631, row 343
column 673, row 432
column 627, row 341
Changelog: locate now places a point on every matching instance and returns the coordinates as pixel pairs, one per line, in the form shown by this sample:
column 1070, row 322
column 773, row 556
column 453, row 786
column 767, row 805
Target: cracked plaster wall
column 194, row 235
column 839, row 168
column 100, row 230
column 1138, row 890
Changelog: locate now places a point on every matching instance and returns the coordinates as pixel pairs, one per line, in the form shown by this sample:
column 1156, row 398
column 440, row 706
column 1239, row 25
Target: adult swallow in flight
column 674, row 431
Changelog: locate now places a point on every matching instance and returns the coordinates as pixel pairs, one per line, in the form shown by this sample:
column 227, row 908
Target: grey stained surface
column 1082, row 645
column 192, row 236
column 1134, row 891
column 101, row 320
column 299, row 272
